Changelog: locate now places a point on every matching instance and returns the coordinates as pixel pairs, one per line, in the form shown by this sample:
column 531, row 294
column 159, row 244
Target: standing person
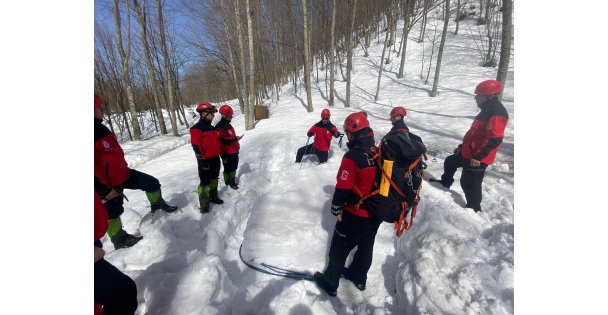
column 323, row 131
column 114, row 291
column 206, row 144
column 112, row 176
column 229, row 146
column 354, row 226
column 479, row 145
column 395, row 148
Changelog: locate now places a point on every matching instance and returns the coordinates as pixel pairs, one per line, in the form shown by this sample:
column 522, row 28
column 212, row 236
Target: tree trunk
column 332, row 52
column 124, row 56
column 307, row 59
column 457, row 17
column 249, row 118
column 386, row 39
column 141, row 17
column 505, row 47
column 239, row 32
column 170, row 83
column 424, row 19
column 349, row 54
column 406, row 31
column 441, row 46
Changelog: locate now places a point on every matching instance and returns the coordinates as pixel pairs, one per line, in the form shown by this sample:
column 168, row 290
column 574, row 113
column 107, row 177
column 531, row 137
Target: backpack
column 396, row 190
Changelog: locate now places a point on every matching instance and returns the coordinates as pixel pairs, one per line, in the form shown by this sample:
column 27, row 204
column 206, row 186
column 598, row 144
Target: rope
column 276, row 271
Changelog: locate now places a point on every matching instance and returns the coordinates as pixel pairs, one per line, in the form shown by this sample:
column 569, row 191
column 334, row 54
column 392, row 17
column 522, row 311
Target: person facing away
column 114, row 292
column 479, row 145
column 112, row 176
column 322, row 131
column 355, row 227
column 229, row 146
column 397, row 140
column 206, row 144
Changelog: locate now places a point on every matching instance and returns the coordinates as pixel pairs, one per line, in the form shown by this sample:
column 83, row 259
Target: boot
column 347, row 273
column 323, row 284
column 157, row 202
column 216, row 200
column 441, row 181
column 123, row 239
column 163, row 206
column 205, row 209
column 232, row 184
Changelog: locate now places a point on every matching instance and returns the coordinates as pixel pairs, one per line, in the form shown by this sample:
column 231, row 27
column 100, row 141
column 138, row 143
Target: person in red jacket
column 323, row 131
column 206, row 144
column 114, row 292
column 113, row 175
column 229, row 146
column 355, row 227
column 479, row 145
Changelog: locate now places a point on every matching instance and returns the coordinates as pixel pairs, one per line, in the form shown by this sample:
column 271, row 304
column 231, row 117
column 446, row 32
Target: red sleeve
column 496, row 127
column 347, row 174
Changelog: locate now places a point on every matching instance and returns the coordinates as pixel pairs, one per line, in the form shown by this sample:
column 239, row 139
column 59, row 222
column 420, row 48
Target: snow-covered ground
column 453, row 261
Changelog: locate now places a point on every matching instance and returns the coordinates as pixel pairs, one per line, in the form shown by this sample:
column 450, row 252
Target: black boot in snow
column 216, row 200
column 205, row 209
column 436, row 180
column 233, row 184
column 323, row 284
column 163, row 206
column 347, row 273
column 123, row 239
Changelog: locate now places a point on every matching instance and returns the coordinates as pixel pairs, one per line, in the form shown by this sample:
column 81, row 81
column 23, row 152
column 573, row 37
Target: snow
column 195, row 269
column 452, row 261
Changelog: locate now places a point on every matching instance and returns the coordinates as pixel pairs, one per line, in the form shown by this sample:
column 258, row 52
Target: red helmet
column 205, row 107
column 355, row 122
column 325, row 114
column 399, row 110
column 98, row 101
column 488, row 87
column 226, row 110
column 364, row 113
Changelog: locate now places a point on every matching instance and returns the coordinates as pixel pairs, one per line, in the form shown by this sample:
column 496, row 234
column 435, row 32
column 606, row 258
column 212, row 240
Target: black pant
column 470, row 181
column 310, row 149
column 230, row 162
column 352, row 231
column 114, row 290
column 137, row 180
column 208, row 169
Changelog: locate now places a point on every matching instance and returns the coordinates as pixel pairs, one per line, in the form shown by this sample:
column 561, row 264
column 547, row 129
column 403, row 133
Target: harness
column 402, row 224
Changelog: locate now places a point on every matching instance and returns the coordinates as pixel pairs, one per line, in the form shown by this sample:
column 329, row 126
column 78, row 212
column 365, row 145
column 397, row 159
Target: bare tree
column 349, row 49
column 446, row 21
column 239, row 32
column 249, row 117
column 167, row 62
column 386, row 43
column 307, row 65
column 332, row 52
column 124, row 55
column 141, row 18
column 507, row 38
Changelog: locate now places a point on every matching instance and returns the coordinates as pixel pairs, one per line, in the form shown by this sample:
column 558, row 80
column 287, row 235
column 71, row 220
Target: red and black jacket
column 485, row 136
column 111, row 168
column 357, row 174
column 229, row 144
column 323, row 133
column 205, row 140
column 100, row 218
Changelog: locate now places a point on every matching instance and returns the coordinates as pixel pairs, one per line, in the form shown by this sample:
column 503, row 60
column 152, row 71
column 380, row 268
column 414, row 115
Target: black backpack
column 396, row 190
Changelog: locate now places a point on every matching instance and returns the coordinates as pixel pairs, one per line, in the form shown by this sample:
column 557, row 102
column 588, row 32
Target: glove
column 336, row 210
column 310, row 134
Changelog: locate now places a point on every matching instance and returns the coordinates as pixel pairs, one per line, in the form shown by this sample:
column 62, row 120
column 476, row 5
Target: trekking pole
column 305, row 150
